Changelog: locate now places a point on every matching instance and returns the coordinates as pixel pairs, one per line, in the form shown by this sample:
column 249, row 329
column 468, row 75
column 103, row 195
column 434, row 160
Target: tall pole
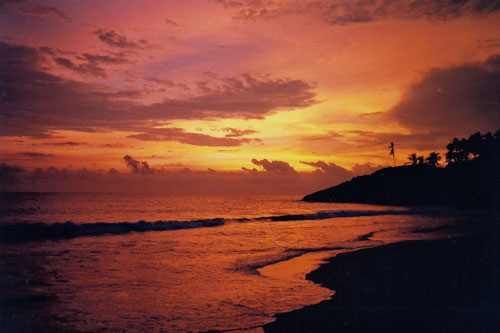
column 391, row 147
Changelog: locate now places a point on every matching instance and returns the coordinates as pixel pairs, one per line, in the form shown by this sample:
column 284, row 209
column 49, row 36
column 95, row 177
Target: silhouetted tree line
column 477, row 147
column 432, row 160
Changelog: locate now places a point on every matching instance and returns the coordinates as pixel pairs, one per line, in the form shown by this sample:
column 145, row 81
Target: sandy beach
column 448, row 285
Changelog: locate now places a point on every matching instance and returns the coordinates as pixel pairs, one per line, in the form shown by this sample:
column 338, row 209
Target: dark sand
column 450, row 285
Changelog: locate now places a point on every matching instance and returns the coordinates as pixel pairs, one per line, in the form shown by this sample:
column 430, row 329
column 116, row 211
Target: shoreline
column 413, row 286
column 297, row 267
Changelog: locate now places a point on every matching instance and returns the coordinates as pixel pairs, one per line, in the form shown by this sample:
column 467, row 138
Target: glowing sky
column 230, row 84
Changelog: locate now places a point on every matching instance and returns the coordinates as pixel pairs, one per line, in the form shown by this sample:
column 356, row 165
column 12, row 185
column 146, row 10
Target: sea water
column 192, row 263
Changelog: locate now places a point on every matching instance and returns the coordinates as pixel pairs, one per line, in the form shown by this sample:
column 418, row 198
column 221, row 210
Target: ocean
column 149, row 262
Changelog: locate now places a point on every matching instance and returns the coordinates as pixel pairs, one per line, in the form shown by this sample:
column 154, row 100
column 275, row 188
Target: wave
column 21, row 232
column 346, row 213
column 322, row 215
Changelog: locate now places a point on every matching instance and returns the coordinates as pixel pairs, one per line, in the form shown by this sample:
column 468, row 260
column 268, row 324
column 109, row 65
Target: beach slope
column 449, row 285
column 474, row 184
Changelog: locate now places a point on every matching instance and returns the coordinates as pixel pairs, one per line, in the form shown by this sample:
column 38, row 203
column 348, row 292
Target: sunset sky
column 224, row 89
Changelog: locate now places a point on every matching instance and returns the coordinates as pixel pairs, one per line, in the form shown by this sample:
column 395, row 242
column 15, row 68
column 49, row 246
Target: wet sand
column 449, row 285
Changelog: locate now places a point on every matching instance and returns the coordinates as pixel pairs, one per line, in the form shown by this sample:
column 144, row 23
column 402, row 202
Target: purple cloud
column 179, row 135
column 35, row 103
column 456, row 101
column 114, row 39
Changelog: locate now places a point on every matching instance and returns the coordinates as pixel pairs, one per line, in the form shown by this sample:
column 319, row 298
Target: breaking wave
column 18, row 232
column 22, row 232
column 344, row 213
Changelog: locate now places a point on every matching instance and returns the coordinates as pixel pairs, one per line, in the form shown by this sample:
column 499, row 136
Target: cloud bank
column 456, row 101
column 348, row 12
column 274, row 177
column 36, row 103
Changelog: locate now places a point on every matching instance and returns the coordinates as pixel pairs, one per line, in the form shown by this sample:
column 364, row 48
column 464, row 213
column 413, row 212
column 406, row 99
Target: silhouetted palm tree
column 413, row 158
column 420, row 160
column 433, row 159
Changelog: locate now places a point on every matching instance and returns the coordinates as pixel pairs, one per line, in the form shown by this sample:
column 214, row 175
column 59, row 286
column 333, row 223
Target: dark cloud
column 113, row 58
column 338, row 172
column 92, row 62
column 84, row 68
column 244, row 97
column 344, row 12
column 114, row 145
column 33, row 9
column 330, row 173
column 183, row 86
column 458, row 100
column 111, row 38
column 36, row 155
column 232, row 3
column 261, row 9
column 9, row 175
column 360, row 11
column 49, row 50
column 119, row 94
column 274, row 166
column 170, row 22
column 55, row 52
column 138, row 166
column 179, row 135
column 164, row 82
column 62, row 144
column 39, row 9
column 10, row 169
column 35, row 103
column 236, row 133
column 19, row 57
column 329, row 137
column 329, row 168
